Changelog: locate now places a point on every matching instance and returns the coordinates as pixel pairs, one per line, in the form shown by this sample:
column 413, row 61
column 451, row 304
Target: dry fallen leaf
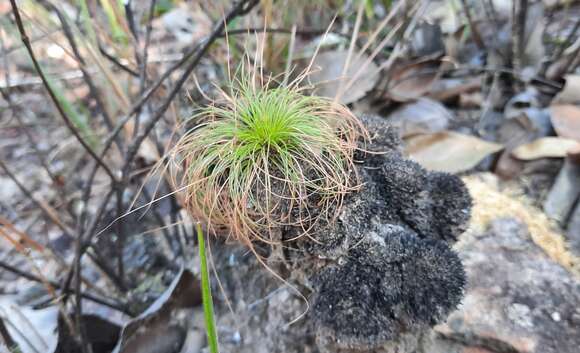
column 411, row 81
column 562, row 197
column 574, row 154
column 159, row 329
column 570, row 94
column 545, row 147
column 449, row 151
column 421, row 117
column 448, row 90
column 566, row 120
column 551, row 4
column 328, row 78
column 31, row 330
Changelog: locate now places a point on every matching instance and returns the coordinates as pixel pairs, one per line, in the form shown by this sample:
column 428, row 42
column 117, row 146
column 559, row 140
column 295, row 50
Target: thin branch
column 94, row 91
column 474, row 31
column 117, row 63
column 48, row 212
column 242, row 7
column 520, row 13
column 25, row 274
column 144, row 61
column 566, row 43
column 39, row 155
column 52, row 94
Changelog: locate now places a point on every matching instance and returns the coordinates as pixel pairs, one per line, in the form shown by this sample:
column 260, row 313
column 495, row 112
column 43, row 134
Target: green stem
column 206, row 295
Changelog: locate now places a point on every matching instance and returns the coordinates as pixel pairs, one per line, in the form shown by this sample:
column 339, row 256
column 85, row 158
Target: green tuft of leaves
column 266, row 157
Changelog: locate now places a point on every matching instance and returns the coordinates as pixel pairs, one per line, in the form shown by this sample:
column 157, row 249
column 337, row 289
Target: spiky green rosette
column 266, row 157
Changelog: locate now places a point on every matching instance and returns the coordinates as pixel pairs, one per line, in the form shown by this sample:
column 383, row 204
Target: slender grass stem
column 208, row 312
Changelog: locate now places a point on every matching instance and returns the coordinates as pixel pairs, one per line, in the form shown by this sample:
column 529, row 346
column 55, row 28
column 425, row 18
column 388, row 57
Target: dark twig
column 193, row 51
column 130, row 17
column 568, row 65
column 144, row 61
column 492, row 13
column 39, row 155
column 474, row 31
column 94, row 91
column 566, row 43
column 29, row 276
column 52, row 94
column 240, row 8
column 47, row 212
column 84, row 241
column 121, row 237
column 520, row 13
column 116, row 62
column 85, row 346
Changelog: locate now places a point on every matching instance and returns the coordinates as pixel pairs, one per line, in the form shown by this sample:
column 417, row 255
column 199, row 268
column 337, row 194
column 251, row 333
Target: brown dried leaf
column 411, row 81
column 562, row 197
column 158, row 329
column 566, row 120
column 421, row 117
column 31, row 330
column 570, row 94
column 328, row 78
column 449, row 151
column 550, row 4
column 545, row 147
column 574, row 155
column 448, row 90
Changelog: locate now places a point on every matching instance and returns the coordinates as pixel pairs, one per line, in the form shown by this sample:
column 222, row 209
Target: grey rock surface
column 518, row 299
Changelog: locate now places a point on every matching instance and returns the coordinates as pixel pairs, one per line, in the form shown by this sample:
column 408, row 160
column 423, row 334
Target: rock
column 518, row 299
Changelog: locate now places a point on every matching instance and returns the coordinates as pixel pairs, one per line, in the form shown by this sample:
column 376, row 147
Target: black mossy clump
column 433, row 204
column 389, row 285
column 387, row 268
column 451, row 205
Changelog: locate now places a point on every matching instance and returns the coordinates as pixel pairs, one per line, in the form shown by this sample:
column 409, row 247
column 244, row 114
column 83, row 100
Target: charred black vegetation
column 385, row 268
